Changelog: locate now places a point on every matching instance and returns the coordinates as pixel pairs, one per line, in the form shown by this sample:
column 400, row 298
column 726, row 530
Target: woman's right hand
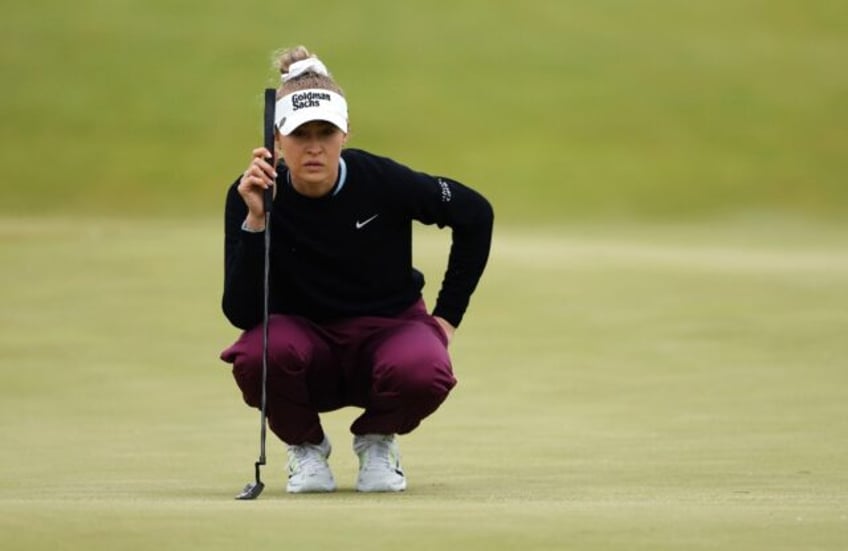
column 258, row 177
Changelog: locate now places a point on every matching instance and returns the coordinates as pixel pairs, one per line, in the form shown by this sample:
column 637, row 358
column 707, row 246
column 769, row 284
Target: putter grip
column 268, row 127
column 268, row 197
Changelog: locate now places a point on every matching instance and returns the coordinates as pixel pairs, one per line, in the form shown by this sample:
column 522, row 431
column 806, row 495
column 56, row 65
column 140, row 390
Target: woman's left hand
column 448, row 329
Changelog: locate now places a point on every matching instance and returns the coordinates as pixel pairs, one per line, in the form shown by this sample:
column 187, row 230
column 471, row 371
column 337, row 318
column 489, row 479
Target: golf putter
column 253, row 489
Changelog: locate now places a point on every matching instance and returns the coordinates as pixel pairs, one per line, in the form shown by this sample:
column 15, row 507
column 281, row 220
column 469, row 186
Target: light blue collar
column 342, row 177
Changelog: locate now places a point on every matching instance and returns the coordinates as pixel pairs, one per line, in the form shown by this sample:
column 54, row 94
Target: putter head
column 251, row 491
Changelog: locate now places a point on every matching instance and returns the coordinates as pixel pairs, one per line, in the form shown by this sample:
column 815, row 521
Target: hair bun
column 285, row 58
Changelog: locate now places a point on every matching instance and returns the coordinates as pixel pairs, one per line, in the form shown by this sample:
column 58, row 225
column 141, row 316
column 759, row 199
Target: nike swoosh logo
column 360, row 225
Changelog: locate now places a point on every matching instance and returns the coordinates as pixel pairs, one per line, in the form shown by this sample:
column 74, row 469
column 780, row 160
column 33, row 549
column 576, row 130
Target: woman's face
column 311, row 153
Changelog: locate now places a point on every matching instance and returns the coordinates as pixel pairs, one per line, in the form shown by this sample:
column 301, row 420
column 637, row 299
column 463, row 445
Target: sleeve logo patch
column 446, row 192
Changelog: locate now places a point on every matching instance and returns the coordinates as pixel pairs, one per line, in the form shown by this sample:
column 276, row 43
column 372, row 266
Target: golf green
column 637, row 386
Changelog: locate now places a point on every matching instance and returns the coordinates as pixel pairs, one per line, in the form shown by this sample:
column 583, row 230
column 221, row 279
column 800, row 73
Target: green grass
column 556, row 110
column 635, row 386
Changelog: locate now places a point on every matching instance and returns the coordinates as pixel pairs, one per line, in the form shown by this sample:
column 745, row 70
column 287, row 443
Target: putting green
column 630, row 386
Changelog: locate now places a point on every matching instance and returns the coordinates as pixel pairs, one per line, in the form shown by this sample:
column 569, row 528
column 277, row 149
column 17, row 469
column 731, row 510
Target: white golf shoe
column 308, row 468
column 379, row 463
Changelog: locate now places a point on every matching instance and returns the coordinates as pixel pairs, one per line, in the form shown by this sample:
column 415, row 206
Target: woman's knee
column 291, row 348
column 427, row 380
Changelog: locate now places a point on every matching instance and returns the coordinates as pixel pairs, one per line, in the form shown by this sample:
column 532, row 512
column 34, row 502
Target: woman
column 348, row 326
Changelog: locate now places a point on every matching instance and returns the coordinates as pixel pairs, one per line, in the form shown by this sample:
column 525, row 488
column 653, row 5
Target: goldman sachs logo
column 309, row 99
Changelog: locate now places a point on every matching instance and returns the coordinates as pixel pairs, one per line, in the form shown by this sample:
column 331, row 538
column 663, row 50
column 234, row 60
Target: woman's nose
column 313, row 143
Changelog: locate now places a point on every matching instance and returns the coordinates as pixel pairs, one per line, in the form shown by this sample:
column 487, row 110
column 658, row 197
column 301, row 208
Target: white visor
column 314, row 104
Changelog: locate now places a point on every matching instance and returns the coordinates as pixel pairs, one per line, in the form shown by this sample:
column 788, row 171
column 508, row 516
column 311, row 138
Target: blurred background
column 556, row 110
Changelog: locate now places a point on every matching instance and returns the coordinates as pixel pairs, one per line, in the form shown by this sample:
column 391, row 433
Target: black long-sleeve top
column 349, row 253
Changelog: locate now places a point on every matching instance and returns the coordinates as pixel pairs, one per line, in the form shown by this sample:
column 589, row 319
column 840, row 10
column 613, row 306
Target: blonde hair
column 283, row 59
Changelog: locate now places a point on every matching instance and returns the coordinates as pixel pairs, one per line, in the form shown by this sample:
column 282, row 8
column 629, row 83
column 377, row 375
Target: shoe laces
column 306, row 459
column 379, row 453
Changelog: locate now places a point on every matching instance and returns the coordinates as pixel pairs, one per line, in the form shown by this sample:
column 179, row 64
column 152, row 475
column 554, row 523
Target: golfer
column 348, row 325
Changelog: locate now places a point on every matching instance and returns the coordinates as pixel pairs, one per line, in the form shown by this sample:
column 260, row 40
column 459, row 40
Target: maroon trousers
column 397, row 369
